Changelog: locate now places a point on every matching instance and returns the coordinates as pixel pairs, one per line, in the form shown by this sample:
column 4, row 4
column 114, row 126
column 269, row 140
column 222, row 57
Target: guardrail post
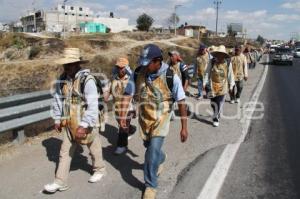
column 19, row 136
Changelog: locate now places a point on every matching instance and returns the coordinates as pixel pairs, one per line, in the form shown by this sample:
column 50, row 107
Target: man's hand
column 58, row 127
column 81, row 132
column 183, row 135
column 245, row 78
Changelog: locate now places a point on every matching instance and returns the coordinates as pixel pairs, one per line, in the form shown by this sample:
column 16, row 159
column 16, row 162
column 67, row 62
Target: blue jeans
column 200, row 87
column 154, row 156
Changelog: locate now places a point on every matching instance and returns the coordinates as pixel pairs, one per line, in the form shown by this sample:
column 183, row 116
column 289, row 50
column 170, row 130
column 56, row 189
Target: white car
column 297, row 52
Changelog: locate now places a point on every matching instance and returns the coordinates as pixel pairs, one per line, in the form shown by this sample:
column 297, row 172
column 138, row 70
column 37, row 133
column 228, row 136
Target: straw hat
column 71, row 55
column 220, row 49
column 122, row 62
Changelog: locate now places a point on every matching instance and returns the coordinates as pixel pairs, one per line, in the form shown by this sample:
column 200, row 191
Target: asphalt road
column 268, row 164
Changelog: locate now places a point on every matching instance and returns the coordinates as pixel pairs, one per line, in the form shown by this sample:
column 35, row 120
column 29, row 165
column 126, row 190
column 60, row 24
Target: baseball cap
column 149, row 52
column 202, row 47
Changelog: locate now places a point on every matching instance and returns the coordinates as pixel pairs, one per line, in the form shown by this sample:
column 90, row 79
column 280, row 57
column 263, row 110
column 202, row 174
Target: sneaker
column 120, row 150
column 231, row 102
column 54, row 187
column 97, row 176
column 149, row 193
column 199, row 97
column 102, row 127
column 216, row 124
column 237, row 100
column 161, row 166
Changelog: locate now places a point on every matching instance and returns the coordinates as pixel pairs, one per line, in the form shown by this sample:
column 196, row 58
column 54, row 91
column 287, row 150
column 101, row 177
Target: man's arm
column 90, row 116
column 57, row 106
column 245, row 68
column 183, row 117
column 126, row 100
column 231, row 80
column 179, row 96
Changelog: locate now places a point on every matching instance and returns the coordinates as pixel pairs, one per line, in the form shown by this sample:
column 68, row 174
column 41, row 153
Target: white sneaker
column 237, row 100
column 53, row 187
column 129, row 137
column 120, row 150
column 199, row 98
column 97, row 176
column 216, row 124
column 102, row 127
column 231, row 102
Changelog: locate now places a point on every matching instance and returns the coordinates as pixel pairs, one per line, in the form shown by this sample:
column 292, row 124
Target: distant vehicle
column 273, row 49
column 297, row 44
column 297, row 53
column 283, row 55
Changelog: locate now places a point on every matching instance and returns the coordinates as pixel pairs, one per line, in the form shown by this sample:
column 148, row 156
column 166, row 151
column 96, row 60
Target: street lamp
column 217, row 3
column 175, row 19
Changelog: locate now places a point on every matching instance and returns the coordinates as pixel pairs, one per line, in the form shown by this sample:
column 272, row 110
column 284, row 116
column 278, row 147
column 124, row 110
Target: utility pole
column 175, row 17
column 217, row 4
column 64, row 26
column 34, row 17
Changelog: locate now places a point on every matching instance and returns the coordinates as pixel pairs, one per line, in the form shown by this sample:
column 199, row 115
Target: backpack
column 99, row 86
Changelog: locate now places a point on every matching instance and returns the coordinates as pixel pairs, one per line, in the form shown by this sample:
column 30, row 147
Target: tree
column 144, row 22
column 173, row 19
column 230, row 31
column 260, row 39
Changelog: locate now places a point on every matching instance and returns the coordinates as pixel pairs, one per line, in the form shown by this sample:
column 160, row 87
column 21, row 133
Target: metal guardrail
column 18, row 111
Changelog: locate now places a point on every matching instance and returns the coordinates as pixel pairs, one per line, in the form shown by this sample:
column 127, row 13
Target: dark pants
column 125, row 132
column 239, row 85
column 217, row 106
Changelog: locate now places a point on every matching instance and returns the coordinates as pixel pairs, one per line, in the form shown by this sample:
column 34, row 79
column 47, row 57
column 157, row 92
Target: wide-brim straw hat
column 122, row 62
column 220, row 49
column 71, row 55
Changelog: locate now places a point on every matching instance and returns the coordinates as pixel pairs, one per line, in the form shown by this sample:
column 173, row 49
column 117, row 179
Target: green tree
column 260, row 39
column 173, row 19
column 144, row 22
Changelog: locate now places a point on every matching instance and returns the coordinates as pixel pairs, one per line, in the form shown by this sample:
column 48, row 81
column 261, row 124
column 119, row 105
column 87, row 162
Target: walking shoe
column 237, row 100
column 199, row 97
column 231, row 102
column 216, row 124
column 120, row 150
column 54, row 187
column 161, row 166
column 149, row 193
column 97, row 176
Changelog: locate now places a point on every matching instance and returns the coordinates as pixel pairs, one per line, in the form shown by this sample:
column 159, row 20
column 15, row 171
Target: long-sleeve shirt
column 90, row 116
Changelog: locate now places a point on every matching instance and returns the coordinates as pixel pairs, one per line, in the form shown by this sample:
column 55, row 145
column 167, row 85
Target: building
column 4, row 27
column 69, row 18
column 194, row 31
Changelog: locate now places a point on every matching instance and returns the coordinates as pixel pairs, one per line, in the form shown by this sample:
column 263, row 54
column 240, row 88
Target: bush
column 33, row 52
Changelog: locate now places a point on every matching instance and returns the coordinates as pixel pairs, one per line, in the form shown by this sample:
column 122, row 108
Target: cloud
column 295, row 5
column 285, row 18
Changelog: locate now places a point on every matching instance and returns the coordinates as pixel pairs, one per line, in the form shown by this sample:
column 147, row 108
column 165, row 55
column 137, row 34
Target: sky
column 273, row 19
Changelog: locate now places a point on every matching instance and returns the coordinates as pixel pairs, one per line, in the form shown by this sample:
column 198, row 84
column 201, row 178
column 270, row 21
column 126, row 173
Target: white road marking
column 216, row 179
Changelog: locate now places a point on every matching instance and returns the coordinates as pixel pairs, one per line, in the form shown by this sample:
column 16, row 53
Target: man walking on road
column 155, row 88
column 76, row 115
column 219, row 75
column 121, row 75
column 179, row 68
column 202, row 62
column 240, row 71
